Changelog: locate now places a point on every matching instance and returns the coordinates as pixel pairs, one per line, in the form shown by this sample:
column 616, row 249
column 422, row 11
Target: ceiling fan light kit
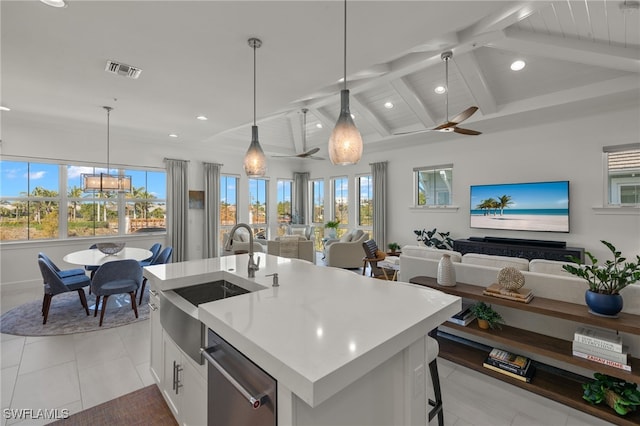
column 255, row 162
column 345, row 143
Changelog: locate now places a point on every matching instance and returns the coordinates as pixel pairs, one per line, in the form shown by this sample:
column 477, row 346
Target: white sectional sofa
column 545, row 277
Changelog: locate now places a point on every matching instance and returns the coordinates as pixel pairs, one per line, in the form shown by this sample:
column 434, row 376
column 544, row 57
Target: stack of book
column 465, row 316
column 516, row 366
column 601, row 346
column 524, row 295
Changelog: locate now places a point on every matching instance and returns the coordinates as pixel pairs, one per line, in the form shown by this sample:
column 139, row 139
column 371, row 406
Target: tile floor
column 79, row 371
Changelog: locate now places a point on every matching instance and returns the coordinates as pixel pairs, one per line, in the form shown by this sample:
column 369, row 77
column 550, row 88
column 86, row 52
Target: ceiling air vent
column 123, row 69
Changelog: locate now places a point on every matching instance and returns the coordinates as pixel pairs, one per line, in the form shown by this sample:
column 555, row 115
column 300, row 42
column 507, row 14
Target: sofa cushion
column 298, row 231
column 346, row 238
column 241, row 235
column 544, row 266
column 430, row 253
column 496, row 261
column 357, row 234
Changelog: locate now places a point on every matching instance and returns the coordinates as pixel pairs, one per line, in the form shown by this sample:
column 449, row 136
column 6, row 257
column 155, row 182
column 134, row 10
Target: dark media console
column 514, row 247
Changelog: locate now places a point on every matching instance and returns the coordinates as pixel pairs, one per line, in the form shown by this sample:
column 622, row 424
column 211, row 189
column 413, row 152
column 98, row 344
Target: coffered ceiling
column 195, row 60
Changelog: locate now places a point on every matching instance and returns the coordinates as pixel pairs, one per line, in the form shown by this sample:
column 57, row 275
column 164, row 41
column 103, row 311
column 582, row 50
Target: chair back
column 155, row 251
column 164, row 256
column 49, row 261
column 128, row 269
column 53, row 283
column 370, row 248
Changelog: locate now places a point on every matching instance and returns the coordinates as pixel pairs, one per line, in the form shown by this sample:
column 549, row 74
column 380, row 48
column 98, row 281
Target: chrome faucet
column 253, row 266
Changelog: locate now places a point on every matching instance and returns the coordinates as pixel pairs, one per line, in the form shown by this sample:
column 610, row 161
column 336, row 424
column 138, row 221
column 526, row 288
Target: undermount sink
column 179, row 312
column 208, row 292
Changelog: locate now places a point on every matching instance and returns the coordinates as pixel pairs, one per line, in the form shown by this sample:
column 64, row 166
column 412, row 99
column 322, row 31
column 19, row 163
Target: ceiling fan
column 450, row 125
column 307, row 154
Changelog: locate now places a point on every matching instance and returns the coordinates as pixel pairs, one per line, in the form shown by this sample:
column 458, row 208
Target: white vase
column 446, row 272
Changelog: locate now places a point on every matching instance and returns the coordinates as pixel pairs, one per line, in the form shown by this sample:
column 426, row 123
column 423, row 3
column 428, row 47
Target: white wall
column 563, row 150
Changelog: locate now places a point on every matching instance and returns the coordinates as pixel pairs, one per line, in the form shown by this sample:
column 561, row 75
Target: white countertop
column 322, row 328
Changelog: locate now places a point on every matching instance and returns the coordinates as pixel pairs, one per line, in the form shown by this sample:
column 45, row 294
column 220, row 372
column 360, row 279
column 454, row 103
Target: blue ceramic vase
column 608, row 305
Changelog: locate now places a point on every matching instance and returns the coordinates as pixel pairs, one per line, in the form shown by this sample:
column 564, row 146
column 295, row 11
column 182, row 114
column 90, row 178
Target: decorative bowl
column 110, row 248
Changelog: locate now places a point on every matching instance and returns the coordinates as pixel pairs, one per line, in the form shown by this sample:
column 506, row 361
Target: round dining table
column 94, row 257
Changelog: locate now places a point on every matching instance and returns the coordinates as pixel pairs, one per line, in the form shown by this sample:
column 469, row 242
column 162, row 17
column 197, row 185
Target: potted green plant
column 393, row 247
column 605, row 281
column 430, row 239
column 487, row 317
column 332, row 227
column 618, row 394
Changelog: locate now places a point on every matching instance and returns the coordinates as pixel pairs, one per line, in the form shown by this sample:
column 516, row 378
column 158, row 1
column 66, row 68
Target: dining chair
column 155, row 250
column 373, row 255
column 163, row 257
column 92, row 268
column 54, row 284
column 116, row 277
column 62, row 273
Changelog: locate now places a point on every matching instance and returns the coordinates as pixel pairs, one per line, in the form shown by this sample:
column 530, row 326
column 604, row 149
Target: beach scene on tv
column 542, row 206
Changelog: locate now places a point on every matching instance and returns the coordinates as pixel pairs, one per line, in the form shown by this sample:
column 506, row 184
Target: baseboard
column 17, row 287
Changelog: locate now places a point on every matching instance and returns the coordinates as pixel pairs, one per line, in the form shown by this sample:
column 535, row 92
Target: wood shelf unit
column 546, row 383
column 562, row 389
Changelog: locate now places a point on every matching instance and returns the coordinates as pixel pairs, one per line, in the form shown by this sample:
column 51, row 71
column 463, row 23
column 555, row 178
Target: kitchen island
column 344, row 349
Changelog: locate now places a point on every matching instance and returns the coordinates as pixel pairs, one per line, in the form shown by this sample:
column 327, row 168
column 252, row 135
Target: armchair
column 346, row 252
column 240, row 243
column 307, row 231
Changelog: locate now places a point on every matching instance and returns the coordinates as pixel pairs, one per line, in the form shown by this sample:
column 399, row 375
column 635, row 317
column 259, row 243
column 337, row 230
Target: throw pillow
column 380, row 255
column 298, row 231
column 346, row 238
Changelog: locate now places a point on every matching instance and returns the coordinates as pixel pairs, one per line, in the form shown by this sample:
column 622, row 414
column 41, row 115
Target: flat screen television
column 533, row 206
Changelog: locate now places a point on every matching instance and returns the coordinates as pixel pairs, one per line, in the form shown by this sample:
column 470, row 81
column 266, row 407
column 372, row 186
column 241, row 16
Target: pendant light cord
column 108, row 127
column 254, row 84
column 446, row 83
column 345, row 44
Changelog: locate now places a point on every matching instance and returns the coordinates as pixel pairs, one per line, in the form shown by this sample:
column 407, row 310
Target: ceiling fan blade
column 464, row 115
column 308, row 153
column 466, row 131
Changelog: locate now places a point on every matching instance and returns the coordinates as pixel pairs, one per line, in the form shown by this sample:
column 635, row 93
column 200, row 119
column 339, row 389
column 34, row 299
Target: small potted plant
column 393, row 247
column 487, row 317
column 618, row 394
column 332, row 227
column 605, row 281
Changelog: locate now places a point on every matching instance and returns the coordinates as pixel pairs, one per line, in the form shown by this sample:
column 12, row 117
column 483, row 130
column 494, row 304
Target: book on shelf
column 464, row 321
column 526, row 378
column 604, row 361
column 604, row 339
column 524, row 295
column 621, row 357
column 518, row 361
column 510, row 367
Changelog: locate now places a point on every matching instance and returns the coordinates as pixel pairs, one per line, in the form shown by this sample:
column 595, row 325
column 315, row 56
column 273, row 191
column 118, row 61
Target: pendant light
column 255, row 162
column 105, row 182
column 345, row 144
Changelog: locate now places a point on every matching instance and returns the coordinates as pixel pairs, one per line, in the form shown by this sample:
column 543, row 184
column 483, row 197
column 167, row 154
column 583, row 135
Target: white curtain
column 379, row 177
column 301, row 184
column 211, row 209
column 177, row 207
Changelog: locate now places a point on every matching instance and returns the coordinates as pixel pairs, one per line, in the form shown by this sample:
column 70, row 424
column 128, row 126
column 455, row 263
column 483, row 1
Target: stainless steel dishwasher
column 239, row 392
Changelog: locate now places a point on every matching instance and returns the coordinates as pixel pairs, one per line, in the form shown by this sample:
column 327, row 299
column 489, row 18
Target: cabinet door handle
column 173, row 387
column 153, row 307
column 178, row 384
column 153, row 293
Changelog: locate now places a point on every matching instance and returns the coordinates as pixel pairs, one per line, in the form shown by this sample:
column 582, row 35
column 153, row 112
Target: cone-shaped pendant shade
column 255, row 162
column 345, row 144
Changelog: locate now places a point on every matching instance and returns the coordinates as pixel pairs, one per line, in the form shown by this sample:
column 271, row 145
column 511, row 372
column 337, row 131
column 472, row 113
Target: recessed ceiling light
column 4, row 108
column 55, row 3
column 173, row 135
column 440, row 90
column 517, row 65
column 388, row 105
column 319, row 125
column 202, row 118
column 353, row 116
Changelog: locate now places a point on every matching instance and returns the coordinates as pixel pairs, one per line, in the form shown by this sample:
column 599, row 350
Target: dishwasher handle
column 255, row 401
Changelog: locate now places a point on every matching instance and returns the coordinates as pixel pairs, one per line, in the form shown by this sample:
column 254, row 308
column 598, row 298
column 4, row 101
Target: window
column 258, row 206
column 33, row 196
column 623, row 174
column 433, row 185
column 365, row 201
column 284, row 192
column 228, row 200
column 340, row 192
column 317, row 200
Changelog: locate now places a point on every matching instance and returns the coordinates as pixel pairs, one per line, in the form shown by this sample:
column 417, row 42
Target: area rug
column 67, row 316
column 142, row 407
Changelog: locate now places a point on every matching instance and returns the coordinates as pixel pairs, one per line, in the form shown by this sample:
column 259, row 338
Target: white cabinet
column 184, row 386
column 156, row 358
